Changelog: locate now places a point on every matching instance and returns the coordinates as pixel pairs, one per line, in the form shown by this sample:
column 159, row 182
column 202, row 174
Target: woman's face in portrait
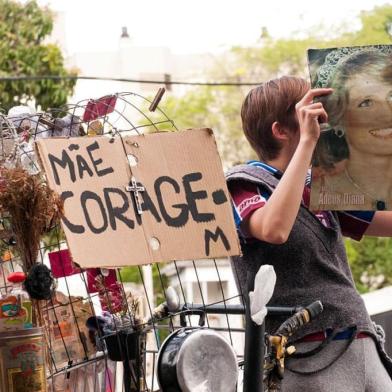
column 368, row 115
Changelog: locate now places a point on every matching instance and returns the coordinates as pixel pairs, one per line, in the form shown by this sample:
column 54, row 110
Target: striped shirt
column 247, row 197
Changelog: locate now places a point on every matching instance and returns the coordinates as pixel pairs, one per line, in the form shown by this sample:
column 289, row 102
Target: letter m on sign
column 219, row 234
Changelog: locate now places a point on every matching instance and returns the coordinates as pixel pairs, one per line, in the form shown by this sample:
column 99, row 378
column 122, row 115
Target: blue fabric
column 237, row 218
column 365, row 216
column 277, row 173
column 343, row 335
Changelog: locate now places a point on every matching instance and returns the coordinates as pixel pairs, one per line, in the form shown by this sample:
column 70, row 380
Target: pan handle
column 188, row 312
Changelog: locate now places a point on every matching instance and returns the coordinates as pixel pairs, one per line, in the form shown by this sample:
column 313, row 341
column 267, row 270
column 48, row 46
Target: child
column 306, row 248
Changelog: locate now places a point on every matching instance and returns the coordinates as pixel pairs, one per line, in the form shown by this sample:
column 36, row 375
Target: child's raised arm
column 273, row 222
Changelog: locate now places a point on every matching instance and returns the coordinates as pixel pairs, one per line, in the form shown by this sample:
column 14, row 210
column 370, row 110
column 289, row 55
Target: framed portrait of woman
column 352, row 162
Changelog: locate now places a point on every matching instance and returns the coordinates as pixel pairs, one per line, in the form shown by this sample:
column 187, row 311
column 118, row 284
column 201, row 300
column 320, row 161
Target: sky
column 196, row 26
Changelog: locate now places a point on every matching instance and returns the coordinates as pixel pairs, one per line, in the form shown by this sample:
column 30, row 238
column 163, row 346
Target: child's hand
column 311, row 115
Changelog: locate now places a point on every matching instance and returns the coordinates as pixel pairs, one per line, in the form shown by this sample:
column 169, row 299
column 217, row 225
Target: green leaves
column 23, row 29
column 219, row 109
column 288, row 55
column 371, row 262
column 375, row 27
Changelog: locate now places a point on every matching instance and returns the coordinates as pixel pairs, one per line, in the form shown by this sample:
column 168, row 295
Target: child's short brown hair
column 272, row 101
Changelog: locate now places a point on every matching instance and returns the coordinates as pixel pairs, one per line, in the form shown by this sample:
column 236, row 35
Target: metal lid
column 207, row 363
column 22, row 333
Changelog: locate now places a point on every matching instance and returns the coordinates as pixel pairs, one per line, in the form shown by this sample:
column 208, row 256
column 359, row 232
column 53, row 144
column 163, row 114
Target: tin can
column 22, row 361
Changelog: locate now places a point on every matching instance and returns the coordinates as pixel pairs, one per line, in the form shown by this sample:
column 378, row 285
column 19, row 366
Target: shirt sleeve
column 355, row 223
column 246, row 197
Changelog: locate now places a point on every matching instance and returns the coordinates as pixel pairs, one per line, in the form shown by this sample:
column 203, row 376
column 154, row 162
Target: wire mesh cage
column 102, row 328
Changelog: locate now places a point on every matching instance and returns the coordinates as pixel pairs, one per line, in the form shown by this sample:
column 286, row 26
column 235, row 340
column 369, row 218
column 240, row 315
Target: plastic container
column 15, row 306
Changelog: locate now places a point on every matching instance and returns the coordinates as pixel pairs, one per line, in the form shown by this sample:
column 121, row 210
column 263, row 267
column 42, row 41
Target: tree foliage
column 219, row 109
column 371, row 262
column 288, row 55
column 23, row 30
column 135, row 275
column 210, row 108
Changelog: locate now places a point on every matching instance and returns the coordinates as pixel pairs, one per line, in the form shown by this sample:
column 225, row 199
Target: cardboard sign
column 142, row 199
column 65, row 325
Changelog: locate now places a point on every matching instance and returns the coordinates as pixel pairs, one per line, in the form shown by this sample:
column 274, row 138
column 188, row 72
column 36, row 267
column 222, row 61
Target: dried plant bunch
column 33, row 209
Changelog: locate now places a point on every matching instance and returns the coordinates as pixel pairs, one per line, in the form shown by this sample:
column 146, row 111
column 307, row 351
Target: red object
column 93, row 282
column 111, row 298
column 16, row 277
column 108, row 289
column 62, row 265
column 99, row 107
column 320, row 336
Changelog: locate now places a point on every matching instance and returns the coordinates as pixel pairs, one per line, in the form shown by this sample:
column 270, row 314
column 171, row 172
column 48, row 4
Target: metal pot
column 196, row 359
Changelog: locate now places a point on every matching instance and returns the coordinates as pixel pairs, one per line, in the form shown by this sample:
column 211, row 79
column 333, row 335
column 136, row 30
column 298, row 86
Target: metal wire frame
column 129, row 116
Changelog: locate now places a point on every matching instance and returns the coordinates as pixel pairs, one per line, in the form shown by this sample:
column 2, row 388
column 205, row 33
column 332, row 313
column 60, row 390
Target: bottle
column 9, row 263
column 16, row 305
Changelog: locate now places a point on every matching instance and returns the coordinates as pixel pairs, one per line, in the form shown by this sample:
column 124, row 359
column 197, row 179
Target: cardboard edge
column 37, row 147
column 238, row 243
column 40, row 149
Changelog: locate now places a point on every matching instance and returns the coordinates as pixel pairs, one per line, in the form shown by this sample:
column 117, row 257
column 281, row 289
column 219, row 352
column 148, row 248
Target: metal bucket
column 22, row 361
